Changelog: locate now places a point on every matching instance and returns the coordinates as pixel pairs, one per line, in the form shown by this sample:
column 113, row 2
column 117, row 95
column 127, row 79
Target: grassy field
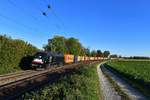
column 136, row 72
column 81, row 84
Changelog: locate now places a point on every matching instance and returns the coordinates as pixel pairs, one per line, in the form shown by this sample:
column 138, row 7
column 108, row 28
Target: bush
column 11, row 53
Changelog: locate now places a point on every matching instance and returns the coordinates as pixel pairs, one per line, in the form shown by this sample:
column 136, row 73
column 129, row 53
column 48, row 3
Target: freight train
column 48, row 59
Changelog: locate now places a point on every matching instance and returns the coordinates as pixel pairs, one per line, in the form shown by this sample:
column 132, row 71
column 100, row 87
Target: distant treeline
column 136, row 57
column 72, row 46
column 131, row 57
column 13, row 53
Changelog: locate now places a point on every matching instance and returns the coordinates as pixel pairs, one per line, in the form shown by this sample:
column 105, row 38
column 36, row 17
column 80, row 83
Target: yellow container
column 68, row 58
column 92, row 58
column 86, row 58
column 79, row 58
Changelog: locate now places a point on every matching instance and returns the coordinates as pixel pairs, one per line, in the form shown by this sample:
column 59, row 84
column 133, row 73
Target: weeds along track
column 18, row 83
column 5, row 75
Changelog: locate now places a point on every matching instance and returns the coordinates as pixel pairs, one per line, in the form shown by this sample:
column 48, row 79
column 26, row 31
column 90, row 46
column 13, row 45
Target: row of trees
column 136, row 57
column 72, row 46
column 130, row 57
column 99, row 53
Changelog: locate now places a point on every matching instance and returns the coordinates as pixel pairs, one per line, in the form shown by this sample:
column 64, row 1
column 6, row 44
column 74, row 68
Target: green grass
column 5, row 70
column 81, row 84
column 137, row 73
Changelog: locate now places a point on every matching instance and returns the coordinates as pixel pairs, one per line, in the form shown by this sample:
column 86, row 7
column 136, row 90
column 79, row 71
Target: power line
column 53, row 12
column 22, row 9
column 47, row 2
column 49, row 7
column 19, row 23
column 39, row 8
column 45, row 13
column 58, row 18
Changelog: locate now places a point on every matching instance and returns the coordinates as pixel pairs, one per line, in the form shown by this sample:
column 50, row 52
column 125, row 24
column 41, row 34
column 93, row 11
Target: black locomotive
column 47, row 59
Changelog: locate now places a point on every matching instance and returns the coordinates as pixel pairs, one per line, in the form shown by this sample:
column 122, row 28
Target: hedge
column 13, row 52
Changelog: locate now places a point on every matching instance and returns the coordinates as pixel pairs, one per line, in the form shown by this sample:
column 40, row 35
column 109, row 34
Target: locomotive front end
column 38, row 60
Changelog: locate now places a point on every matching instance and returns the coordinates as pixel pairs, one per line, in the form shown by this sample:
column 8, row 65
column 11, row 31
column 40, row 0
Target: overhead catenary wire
column 55, row 14
column 22, row 10
column 37, row 7
column 58, row 18
column 47, row 2
column 48, row 5
column 19, row 23
column 26, row 12
column 49, row 8
column 46, row 13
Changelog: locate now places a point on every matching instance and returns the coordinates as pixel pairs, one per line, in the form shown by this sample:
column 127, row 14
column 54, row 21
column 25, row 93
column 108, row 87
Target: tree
column 87, row 52
column 65, row 45
column 99, row 53
column 106, row 53
column 119, row 56
column 93, row 53
column 74, row 46
column 113, row 56
column 56, row 44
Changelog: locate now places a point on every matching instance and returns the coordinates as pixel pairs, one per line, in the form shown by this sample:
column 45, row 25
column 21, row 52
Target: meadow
column 137, row 73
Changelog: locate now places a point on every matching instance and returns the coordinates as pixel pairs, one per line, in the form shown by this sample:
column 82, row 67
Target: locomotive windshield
column 40, row 55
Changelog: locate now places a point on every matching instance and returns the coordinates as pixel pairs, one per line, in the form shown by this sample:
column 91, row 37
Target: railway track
column 13, row 85
column 5, row 79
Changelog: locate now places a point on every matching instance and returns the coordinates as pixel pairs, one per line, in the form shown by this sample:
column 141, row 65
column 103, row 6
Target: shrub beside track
column 13, row 53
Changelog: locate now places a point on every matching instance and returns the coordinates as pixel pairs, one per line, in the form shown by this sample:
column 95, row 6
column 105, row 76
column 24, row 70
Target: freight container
column 86, row 58
column 105, row 58
column 79, row 59
column 75, row 59
column 91, row 58
column 68, row 58
column 101, row 58
column 82, row 58
column 95, row 58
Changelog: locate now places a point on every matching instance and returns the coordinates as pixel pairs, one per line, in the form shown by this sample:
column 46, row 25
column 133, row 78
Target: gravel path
column 108, row 90
column 133, row 93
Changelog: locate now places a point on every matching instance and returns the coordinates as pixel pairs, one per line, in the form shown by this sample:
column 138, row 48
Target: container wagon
column 48, row 59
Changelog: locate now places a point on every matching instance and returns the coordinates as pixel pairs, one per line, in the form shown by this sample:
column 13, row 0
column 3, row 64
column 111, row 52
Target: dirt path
column 108, row 90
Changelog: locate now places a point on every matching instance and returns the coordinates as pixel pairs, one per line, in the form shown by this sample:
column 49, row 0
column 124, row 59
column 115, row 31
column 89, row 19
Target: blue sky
column 121, row 26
